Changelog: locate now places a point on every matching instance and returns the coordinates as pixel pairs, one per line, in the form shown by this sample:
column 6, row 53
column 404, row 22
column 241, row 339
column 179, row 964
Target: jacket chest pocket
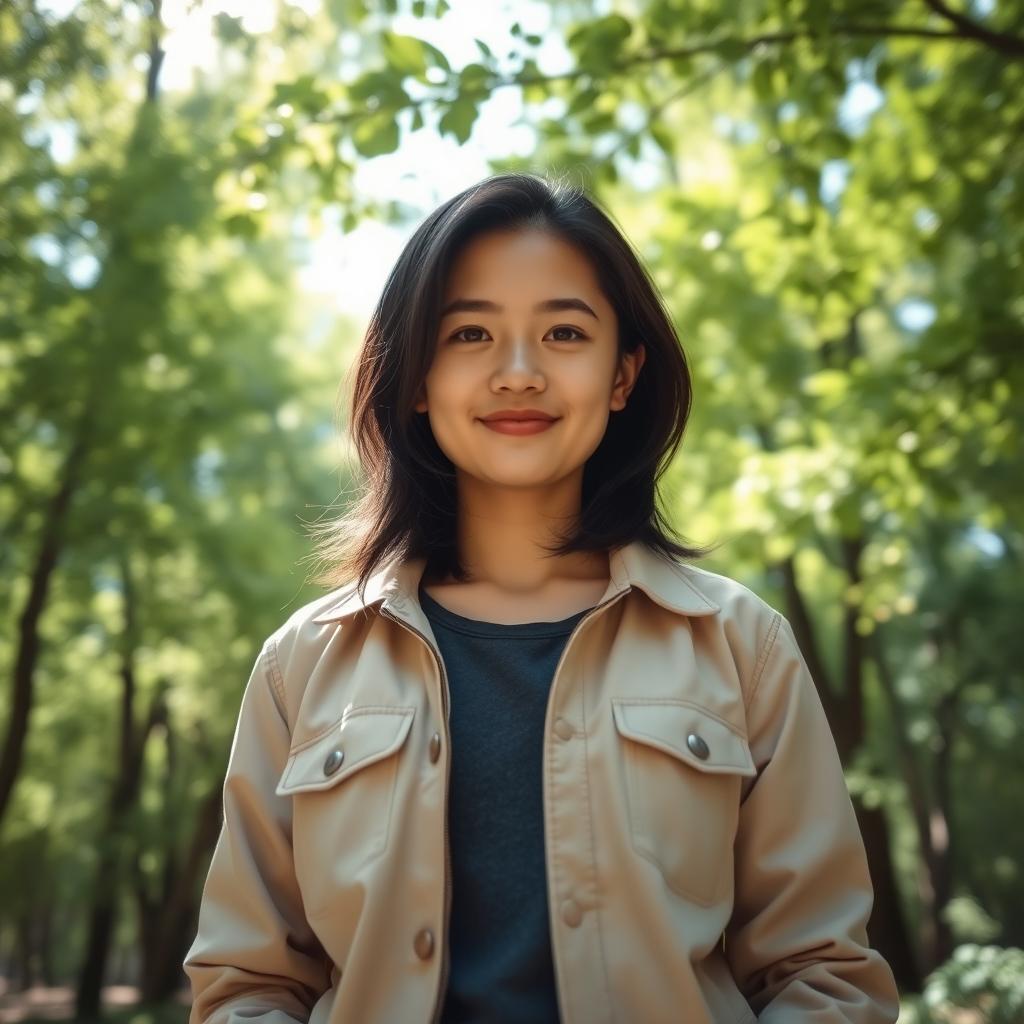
column 342, row 785
column 684, row 770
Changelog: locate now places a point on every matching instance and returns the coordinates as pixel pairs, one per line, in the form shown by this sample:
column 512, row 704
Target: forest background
column 199, row 200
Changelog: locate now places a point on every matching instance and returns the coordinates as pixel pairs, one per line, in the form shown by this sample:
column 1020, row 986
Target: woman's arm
column 254, row 956
column 797, row 941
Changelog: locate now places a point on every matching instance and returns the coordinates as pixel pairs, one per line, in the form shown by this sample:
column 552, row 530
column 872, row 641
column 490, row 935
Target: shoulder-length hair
column 408, row 503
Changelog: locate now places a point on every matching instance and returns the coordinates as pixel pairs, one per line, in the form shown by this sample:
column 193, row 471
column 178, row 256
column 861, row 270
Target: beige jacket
column 704, row 861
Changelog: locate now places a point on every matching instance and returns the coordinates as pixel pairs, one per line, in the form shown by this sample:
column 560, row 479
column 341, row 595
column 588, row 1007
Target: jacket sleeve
column 254, row 956
column 797, row 941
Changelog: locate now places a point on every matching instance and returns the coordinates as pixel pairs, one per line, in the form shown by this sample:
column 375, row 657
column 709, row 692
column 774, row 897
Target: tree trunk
column 91, row 974
column 887, row 927
column 941, row 833
column 889, row 932
column 25, row 970
column 28, row 644
column 168, row 923
column 46, row 968
column 929, row 823
column 123, row 799
column 113, row 862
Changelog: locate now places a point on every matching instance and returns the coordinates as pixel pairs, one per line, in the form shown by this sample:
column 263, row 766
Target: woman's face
column 498, row 349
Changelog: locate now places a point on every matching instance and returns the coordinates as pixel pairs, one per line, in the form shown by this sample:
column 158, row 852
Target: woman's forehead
column 521, row 267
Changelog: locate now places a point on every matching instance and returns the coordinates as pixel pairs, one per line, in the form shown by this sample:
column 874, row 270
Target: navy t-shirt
column 499, row 676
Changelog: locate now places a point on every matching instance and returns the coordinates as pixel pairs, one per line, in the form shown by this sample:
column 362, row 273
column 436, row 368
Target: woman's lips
column 519, row 426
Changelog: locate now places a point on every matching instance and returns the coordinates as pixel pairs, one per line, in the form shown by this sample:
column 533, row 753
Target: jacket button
column 563, row 730
column 697, row 745
column 435, row 747
column 333, row 762
column 424, row 943
column 571, row 913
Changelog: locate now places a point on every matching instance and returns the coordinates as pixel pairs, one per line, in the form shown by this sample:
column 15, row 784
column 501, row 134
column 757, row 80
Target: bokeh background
column 199, row 203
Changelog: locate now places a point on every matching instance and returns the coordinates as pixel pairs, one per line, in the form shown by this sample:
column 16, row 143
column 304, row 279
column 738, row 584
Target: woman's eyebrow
column 486, row 306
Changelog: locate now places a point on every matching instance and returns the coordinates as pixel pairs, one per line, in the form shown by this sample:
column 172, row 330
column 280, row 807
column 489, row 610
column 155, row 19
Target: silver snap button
column 333, row 762
column 698, row 746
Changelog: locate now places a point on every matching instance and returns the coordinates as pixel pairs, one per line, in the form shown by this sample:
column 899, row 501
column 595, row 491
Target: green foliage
column 375, row 135
column 200, row 435
column 404, row 53
column 807, row 186
column 458, row 119
column 986, row 979
column 599, row 44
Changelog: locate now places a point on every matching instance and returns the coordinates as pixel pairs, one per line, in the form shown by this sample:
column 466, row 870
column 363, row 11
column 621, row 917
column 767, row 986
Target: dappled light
column 201, row 202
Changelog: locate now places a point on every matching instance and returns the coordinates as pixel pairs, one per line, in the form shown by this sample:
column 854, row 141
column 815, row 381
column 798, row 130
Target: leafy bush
column 986, row 979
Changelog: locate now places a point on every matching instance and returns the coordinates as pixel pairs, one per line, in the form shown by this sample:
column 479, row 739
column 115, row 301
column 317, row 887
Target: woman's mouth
column 519, row 427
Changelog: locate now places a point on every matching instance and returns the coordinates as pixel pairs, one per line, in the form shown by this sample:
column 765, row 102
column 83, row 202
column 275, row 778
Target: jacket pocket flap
column 362, row 737
column 669, row 726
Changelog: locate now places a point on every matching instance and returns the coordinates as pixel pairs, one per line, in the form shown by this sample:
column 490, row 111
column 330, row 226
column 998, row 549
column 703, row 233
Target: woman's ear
column 421, row 399
column 625, row 381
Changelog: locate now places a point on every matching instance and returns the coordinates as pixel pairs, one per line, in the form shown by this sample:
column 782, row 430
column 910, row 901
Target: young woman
column 525, row 763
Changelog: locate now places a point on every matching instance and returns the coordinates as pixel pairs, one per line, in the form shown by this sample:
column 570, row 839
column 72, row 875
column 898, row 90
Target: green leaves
column 378, row 89
column 820, row 419
column 373, row 136
column 404, row 53
column 459, row 118
column 410, row 55
column 474, row 80
column 829, row 384
column 599, row 44
column 229, row 29
column 305, row 93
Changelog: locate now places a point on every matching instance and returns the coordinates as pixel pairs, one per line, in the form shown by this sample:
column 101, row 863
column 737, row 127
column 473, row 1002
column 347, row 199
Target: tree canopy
column 830, row 198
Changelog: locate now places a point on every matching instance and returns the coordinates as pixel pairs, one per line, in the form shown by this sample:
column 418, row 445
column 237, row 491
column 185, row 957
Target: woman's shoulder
column 734, row 610
column 299, row 641
column 735, row 601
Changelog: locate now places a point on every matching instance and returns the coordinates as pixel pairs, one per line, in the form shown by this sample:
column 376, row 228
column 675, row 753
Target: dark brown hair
column 408, row 504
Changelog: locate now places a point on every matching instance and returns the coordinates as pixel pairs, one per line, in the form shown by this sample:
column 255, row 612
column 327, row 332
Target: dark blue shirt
column 499, row 676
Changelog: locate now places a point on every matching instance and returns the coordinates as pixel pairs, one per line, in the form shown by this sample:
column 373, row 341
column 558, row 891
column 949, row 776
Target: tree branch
column 799, row 616
column 156, row 51
column 1012, row 45
column 654, row 112
column 852, row 549
column 1002, row 42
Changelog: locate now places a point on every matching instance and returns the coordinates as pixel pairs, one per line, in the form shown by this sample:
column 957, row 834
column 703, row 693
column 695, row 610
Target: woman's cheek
column 593, row 433
column 445, row 441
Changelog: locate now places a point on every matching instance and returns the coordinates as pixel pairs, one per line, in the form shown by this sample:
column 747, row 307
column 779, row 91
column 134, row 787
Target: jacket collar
column 670, row 584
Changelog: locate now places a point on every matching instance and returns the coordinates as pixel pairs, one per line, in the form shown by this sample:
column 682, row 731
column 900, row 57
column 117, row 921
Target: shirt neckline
column 480, row 627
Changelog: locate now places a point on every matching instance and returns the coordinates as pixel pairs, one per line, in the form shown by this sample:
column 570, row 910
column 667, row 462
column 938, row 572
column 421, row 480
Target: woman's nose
column 517, row 360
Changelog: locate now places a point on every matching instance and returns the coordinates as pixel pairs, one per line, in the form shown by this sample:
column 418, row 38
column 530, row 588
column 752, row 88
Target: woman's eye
column 579, row 334
column 456, row 335
column 459, row 335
